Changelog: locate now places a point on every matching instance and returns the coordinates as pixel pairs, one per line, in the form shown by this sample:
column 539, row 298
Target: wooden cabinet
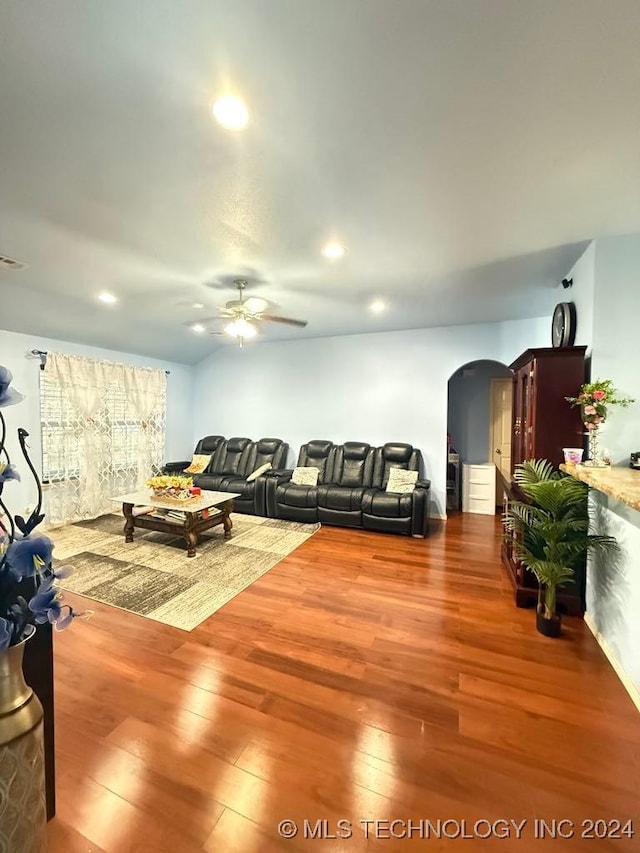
column 544, row 423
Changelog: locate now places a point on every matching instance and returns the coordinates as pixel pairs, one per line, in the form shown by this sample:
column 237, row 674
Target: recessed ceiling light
column 107, row 298
column 231, row 112
column 198, row 305
column 377, row 306
column 333, row 251
column 198, row 327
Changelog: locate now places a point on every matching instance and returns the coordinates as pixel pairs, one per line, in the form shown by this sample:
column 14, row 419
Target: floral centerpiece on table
column 28, row 595
column 594, row 399
column 176, row 488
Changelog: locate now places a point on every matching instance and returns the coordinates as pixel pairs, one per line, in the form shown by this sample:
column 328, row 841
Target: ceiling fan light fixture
column 241, row 328
column 377, row 306
column 231, row 112
column 198, row 328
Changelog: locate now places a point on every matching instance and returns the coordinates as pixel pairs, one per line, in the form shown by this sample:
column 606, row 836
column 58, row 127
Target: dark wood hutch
column 543, row 423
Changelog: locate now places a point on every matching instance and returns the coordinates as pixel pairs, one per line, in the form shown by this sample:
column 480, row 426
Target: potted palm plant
column 550, row 533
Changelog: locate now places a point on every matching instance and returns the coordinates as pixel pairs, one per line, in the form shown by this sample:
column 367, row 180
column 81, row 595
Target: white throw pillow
column 255, row 474
column 401, row 481
column 305, row 476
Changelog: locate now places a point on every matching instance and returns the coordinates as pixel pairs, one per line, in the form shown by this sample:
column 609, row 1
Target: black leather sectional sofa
column 351, row 488
column 232, row 461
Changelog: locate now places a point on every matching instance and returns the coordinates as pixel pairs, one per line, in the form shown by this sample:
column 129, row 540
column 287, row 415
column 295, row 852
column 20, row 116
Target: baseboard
column 629, row 686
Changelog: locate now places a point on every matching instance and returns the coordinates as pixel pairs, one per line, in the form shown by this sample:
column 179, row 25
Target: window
column 103, row 431
column 117, row 429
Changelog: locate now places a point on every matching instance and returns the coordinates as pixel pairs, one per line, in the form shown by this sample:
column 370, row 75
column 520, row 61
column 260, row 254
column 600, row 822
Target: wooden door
column 500, row 430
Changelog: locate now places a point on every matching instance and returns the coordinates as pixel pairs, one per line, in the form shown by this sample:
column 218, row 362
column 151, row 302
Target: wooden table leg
column 127, row 511
column 190, row 535
column 226, row 518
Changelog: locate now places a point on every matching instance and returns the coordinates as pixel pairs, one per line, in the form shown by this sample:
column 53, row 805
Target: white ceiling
column 462, row 150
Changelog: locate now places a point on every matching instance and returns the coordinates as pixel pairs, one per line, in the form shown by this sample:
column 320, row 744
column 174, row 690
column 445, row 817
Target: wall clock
column 563, row 325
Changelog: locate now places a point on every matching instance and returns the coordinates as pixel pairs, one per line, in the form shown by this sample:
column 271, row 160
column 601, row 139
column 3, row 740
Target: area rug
column 153, row 577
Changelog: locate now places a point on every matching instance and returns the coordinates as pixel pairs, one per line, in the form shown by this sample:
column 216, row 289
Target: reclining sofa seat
column 233, row 461
column 340, row 500
column 392, row 512
column 285, row 499
column 207, row 445
column 351, row 488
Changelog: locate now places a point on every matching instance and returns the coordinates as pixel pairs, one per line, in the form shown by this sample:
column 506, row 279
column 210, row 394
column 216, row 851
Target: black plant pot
column 548, row 627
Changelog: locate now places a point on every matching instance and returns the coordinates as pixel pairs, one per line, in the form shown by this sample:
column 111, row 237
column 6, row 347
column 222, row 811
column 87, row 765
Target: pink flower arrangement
column 593, row 399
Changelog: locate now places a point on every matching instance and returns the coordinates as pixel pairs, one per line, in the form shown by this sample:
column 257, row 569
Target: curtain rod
column 43, row 355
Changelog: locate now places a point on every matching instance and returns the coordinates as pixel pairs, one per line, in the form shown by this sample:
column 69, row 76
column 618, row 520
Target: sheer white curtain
column 103, row 430
column 144, row 389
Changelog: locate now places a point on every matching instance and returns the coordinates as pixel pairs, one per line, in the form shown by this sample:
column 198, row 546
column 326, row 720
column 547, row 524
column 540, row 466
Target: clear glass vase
column 595, row 459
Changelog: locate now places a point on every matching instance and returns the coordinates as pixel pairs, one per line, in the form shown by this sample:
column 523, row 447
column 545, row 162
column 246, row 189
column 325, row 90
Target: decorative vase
column 548, row 627
column 594, row 460
column 23, row 814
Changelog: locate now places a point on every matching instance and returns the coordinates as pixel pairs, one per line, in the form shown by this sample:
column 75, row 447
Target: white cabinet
column 479, row 488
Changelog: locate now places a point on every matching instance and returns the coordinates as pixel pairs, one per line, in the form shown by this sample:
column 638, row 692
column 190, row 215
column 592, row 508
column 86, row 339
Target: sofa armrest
column 282, row 475
column 420, row 508
column 272, row 479
column 176, row 467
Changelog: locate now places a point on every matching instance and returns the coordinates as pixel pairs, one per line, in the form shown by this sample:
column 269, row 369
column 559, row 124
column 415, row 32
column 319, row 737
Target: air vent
column 10, row 263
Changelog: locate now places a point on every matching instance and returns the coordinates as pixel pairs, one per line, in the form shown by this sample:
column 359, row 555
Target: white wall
column 518, row 335
column 607, row 298
column 582, row 295
column 616, row 338
column 388, row 386
column 613, row 585
column 14, row 348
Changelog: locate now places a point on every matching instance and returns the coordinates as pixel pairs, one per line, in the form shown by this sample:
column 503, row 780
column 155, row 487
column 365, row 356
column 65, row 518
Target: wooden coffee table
column 209, row 510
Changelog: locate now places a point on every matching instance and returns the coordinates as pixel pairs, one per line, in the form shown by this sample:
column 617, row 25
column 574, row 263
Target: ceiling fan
column 244, row 314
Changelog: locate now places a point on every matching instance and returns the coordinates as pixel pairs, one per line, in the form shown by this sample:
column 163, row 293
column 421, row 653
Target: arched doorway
column 478, row 422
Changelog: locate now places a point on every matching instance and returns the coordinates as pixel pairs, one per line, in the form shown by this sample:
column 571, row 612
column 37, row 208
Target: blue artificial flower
column 63, row 622
column 8, row 396
column 46, row 604
column 27, row 556
column 5, row 634
column 8, row 472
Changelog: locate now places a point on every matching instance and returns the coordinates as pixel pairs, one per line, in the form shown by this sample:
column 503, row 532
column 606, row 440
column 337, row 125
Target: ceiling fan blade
column 272, row 318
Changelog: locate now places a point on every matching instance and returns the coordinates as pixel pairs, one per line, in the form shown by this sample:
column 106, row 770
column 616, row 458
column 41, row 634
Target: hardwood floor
column 365, row 677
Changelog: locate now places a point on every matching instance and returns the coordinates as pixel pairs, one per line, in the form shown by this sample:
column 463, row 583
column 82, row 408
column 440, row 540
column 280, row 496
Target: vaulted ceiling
column 462, row 151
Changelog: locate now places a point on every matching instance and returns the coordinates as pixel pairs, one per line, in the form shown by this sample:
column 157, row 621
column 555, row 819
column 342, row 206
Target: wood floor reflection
column 365, row 677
